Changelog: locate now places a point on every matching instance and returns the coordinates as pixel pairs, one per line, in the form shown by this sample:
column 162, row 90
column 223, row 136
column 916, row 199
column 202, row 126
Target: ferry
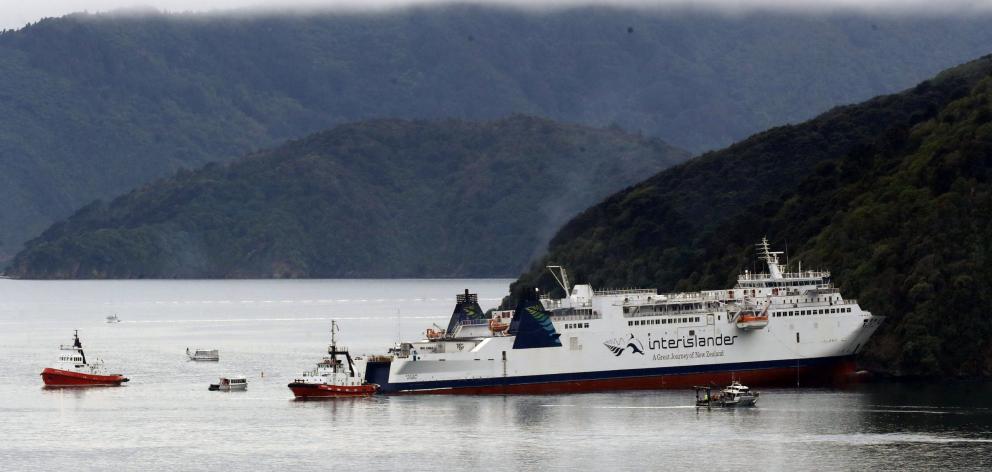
column 776, row 328
column 199, row 355
column 75, row 371
column 234, row 383
column 333, row 378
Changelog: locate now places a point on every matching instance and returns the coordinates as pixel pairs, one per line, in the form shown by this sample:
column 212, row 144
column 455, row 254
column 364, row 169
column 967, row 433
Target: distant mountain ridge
column 384, row 198
column 92, row 106
column 893, row 195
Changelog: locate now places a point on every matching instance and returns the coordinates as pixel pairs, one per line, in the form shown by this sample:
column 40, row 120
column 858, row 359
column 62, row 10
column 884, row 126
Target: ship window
column 833, row 310
column 586, row 325
column 848, row 310
column 630, row 323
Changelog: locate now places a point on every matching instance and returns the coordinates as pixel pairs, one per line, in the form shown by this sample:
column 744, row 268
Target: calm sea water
column 165, row 419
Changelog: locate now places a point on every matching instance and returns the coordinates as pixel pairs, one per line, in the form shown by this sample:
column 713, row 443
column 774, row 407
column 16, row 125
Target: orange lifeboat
column 749, row 320
column 434, row 334
column 496, row 325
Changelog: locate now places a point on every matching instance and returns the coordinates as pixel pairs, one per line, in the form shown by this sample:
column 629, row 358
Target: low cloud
column 17, row 14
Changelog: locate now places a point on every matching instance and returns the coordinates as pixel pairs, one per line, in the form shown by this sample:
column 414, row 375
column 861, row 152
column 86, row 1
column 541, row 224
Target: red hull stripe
column 835, row 371
column 66, row 378
column 320, row 391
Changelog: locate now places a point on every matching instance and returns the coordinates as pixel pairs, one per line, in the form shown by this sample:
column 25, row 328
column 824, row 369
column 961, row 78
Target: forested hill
column 92, row 106
column 892, row 195
column 387, row 198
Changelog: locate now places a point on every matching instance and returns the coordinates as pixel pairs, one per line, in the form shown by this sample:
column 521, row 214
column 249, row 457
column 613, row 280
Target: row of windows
column 666, row 308
column 788, row 283
column 691, row 319
column 823, row 311
column 576, row 325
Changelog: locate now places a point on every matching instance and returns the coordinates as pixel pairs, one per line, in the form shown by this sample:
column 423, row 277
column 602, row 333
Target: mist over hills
column 384, row 198
column 92, row 106
column 893, row 195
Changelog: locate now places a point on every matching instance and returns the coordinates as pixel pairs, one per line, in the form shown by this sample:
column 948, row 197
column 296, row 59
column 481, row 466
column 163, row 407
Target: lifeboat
column 497, row 326
column 434, row 334
column 333, row 378
column 73, row 370
column 750, row 319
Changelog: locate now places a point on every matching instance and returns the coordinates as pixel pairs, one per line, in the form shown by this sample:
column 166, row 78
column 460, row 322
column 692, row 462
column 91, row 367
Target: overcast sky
column 16, row 13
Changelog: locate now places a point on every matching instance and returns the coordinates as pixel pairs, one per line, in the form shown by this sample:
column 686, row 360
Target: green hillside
column 892, row 195
column 92, row 106
column 387, row 198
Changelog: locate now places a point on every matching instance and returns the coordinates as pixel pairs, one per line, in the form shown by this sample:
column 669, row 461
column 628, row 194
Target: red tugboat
column 331, row 379
column 74, row 371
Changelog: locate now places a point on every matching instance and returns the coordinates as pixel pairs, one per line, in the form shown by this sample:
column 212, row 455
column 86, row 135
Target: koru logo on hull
column 620, row 345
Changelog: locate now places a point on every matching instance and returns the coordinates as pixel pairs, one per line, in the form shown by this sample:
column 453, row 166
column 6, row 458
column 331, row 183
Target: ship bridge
column 777, row 278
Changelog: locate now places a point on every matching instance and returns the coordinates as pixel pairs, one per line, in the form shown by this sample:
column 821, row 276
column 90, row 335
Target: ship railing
column 806, row 274
column 551, row 303
column 381, row 358
column 577, row 316
column 709, row 295
column 473, row 322
column 626, row 291
column 636, row 314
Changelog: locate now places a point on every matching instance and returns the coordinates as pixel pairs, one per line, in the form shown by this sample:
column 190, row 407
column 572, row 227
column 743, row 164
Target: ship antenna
column 334, row 330
column 770, row 257
column 561, row 277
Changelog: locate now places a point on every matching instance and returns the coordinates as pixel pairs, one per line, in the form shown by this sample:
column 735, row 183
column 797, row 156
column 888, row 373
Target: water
column 165, row 419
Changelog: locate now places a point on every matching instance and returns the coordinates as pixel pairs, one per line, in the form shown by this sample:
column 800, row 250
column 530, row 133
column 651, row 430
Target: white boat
column 203, row 354
column 233, row 383
column 113, row 319
column 779, row 328
column 734, row 395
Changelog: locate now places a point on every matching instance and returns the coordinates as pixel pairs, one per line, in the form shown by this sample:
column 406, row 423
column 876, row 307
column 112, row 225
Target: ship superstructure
column 775, row 328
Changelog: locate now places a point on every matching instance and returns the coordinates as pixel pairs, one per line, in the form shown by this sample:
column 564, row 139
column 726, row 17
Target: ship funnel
column 532, row 324
column 466, row 308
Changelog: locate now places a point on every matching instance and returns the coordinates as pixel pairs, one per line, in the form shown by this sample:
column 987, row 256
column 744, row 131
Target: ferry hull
column 830, row 372
column 305, row 391
column 65, row 378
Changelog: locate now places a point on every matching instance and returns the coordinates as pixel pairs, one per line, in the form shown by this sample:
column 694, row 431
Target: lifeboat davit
column 74, row 371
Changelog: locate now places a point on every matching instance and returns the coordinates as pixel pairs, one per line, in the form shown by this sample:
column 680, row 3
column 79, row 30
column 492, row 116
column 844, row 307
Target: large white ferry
column 772, row 329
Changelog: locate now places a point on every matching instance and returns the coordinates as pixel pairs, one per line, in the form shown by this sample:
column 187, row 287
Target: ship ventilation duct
column 532, row 324
column 466, row 308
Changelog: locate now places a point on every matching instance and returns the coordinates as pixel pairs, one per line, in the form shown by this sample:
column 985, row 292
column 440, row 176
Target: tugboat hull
column 306, row 390
column 66, row 378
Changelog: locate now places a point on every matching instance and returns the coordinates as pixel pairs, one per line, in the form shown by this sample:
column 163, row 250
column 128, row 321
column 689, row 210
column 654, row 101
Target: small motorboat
column 234, row 383
column 333, row 378
column 113, row 319
column 734, row 395
column 203, row 355
column 75, row 371
column 751, row 318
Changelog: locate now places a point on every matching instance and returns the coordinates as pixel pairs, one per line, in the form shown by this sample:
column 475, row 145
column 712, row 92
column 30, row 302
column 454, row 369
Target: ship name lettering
column 689, row 342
